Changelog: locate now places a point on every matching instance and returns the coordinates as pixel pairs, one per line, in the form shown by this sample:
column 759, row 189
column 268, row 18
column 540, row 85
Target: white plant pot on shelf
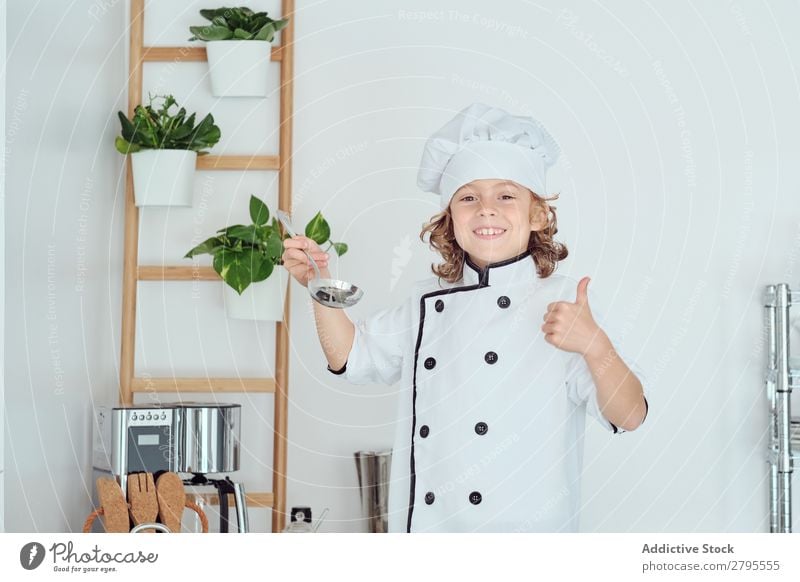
column 163, row 177
column 262, row 301
column 239, row 68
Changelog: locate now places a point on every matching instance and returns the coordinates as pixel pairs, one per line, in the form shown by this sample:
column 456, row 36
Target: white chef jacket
column 491, row 417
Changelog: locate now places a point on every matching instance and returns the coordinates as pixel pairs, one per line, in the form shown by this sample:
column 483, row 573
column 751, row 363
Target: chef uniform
column 490, row 424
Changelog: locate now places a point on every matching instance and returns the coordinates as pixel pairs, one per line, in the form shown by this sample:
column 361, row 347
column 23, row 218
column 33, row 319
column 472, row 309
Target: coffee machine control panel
column 149, row 418
column 144, row 439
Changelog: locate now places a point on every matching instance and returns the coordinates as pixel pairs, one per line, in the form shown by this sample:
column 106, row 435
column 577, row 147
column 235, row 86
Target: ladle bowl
column 327, row 292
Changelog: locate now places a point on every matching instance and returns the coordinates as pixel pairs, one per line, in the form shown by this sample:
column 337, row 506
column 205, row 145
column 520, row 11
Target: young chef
column 498, row 358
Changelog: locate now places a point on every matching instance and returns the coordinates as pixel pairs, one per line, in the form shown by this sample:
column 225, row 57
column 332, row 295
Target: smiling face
column 493, row 219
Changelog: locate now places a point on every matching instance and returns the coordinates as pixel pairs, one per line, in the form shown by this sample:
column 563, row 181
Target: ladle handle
column 284, row 218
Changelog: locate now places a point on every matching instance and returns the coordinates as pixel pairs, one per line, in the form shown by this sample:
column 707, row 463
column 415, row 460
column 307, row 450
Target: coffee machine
column 197, row 438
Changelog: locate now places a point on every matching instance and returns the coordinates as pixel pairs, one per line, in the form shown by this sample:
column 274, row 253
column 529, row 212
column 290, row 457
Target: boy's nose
column 487, row 210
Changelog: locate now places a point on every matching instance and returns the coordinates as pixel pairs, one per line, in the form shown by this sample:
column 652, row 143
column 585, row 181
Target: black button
column 439, row 305
column 430, row 363
column 503, row 302
column 490, row 357
column 475, row 498
column 424, row 430
column 429, row 497
column 481, row 428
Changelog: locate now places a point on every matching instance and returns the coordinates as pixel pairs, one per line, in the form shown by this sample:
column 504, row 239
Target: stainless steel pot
column 209, row 437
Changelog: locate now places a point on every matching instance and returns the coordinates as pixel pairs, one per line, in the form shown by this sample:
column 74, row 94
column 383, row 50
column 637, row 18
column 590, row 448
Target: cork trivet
column 112, row 501
column 171, row 500
column 142, row 497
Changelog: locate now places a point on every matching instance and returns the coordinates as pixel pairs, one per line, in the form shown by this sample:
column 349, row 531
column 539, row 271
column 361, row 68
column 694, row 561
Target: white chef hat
column 484, row 142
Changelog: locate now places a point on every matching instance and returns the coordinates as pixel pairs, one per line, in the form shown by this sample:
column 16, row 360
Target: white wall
column 66, row 75
column 678, row 126
column 2, row 257
column 678, row 179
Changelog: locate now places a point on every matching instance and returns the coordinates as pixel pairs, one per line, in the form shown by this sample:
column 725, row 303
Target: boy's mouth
column 488, row 233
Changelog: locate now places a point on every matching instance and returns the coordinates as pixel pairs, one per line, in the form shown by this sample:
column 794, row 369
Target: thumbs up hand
column 570, row 326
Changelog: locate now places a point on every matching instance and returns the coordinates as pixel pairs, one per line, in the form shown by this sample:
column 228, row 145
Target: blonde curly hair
column 545, row 251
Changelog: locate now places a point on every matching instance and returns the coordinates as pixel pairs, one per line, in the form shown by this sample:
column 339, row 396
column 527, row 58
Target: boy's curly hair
column 545, row 251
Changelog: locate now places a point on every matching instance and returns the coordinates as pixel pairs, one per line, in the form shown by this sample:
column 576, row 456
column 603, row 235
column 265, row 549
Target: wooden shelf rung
column 209, row 162
column 153, row 54
column 174, row 273
column 252, row 499
column 248, row 385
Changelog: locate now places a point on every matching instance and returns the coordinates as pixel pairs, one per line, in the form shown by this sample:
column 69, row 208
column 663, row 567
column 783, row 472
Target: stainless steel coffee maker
column 195, row 437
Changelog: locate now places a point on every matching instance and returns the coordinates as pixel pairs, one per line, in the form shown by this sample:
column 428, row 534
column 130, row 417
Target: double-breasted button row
column 504, row 302
column 474, row 498
column 489, row 357
column 481, row 428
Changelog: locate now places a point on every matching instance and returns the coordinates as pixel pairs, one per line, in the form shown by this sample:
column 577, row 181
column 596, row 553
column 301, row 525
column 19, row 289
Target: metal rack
column 780, row 377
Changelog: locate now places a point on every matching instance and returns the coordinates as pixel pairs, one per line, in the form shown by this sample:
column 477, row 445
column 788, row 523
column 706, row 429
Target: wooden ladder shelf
column 133, row 272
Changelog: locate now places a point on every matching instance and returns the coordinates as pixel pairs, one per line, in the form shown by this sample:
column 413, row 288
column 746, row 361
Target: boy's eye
column 469, row 197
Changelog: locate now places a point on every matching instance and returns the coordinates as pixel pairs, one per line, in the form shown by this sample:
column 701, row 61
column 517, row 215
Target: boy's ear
column 539, row 216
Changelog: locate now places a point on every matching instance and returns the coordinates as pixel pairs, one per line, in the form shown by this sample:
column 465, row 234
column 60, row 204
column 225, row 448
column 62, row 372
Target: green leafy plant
column 248, row 254
column 153, row 128
column 237, row 24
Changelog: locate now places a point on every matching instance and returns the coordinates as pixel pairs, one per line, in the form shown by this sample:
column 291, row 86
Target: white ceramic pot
column 239, row 68
column 262, row 301
column 163, row 177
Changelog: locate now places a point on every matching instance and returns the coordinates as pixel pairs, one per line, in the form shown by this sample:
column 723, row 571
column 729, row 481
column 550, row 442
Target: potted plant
column 245, row 258
column 238, row 45
column 164, row 147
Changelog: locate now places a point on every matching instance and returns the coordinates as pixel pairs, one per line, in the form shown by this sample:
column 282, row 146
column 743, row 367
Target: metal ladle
column 328, row 292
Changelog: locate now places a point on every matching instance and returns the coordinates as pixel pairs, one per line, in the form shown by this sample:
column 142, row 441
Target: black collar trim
column 483, row 273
